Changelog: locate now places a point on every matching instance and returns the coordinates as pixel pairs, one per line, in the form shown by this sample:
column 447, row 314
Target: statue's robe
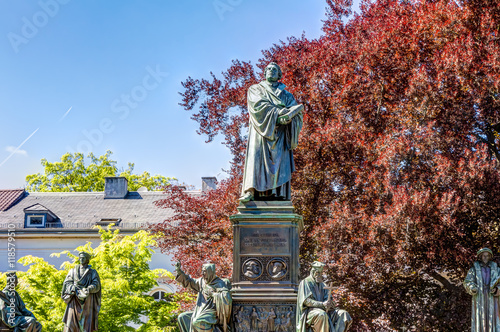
column 269, row 158
column 23, row 320
column 311, row 313
column 485, row 305
column 81, row 314
column 209, row 312
column 270, row 321
column 254, row 321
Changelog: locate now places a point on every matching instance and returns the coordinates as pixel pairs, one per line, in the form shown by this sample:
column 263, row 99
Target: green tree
column 123, row 266
column 72, row 174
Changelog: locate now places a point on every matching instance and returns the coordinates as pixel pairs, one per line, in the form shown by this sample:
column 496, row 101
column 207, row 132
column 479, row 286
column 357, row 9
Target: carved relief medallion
column 252, row 269
column 277, row 268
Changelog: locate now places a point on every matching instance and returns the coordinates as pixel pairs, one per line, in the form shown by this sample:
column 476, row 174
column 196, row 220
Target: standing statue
column 13, row 311
column 275, row 124
column 482, row 282
column 254, row 320
column 213, row 305
column 270, row 320
column 82, row 293
column 315, row 308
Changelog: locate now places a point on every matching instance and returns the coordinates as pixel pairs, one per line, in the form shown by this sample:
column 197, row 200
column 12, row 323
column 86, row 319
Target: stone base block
column 265, row 266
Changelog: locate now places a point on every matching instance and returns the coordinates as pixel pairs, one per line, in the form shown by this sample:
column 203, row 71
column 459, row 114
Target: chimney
column 208, row 183
column 115, row 187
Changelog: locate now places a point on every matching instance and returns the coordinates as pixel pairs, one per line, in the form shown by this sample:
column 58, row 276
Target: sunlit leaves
column 123, row 266
column 72, row 174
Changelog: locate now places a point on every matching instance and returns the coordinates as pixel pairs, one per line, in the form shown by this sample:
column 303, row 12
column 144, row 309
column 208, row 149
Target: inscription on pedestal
column 264, row 241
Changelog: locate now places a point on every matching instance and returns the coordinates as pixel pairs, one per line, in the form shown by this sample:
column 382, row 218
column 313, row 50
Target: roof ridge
column 84, row 193
column 29, row 207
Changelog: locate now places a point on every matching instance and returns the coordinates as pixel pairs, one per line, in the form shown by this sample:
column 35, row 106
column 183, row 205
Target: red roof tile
column 9, row 197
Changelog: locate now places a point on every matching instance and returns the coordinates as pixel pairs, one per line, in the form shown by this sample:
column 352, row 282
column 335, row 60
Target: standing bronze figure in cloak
column 483, row 283
column 82, row 292
column 275, row 124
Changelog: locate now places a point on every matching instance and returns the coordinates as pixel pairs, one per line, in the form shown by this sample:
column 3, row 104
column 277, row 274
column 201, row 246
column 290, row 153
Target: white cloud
column 14, row 150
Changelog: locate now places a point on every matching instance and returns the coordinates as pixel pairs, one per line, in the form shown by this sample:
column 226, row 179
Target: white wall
column 44, row 247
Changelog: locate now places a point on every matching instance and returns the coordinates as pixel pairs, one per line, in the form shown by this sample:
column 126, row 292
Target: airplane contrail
column 20, row 145
column 65, row 114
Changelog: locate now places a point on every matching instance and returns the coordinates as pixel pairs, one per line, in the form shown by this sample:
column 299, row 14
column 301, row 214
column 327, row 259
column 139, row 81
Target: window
column 38, row 216
column 35, row 220
column 108, row 221
column 160, row 296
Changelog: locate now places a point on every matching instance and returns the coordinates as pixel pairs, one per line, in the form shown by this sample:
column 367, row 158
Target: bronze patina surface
column 82, row 294
column 482, row 282
column 275, row 124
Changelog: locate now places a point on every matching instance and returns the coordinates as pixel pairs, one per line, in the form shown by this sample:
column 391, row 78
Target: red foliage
column 398, row 163
column 200, row 230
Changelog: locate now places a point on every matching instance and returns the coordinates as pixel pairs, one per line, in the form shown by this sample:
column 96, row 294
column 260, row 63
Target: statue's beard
column 271, row 79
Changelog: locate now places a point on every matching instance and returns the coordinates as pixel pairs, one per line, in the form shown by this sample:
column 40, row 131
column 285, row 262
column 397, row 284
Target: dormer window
column 108, row 221
column 38, row 216
column 35, row 220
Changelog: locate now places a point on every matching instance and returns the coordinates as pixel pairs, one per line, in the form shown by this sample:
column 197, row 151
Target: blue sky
column 98, row 75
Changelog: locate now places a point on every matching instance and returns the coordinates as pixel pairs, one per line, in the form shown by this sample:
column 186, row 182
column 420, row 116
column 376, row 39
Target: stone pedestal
column 265, row 266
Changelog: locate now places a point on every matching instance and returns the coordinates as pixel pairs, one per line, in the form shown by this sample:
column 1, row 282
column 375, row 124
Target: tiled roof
column 84, row 209
column 9, row 197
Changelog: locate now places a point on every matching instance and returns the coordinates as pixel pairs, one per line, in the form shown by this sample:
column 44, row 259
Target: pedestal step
column 265, row 294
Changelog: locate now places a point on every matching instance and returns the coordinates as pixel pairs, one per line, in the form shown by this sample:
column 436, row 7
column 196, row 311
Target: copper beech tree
column 398, row 161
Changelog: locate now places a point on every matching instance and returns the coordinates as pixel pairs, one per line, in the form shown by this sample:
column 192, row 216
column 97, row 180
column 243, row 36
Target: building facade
column 51, row 222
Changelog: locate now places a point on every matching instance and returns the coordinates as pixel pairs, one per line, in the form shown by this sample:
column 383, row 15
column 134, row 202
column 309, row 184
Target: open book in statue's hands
column 495, row 286
column 82, row 294
column 286, row 114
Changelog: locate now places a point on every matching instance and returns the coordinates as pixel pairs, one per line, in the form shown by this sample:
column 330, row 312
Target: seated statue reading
column 13, row 311
column 213, row 305
column 314, row 307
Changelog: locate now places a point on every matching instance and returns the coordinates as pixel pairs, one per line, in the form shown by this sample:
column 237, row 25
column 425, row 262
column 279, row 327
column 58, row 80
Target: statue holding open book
column 275, row 124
